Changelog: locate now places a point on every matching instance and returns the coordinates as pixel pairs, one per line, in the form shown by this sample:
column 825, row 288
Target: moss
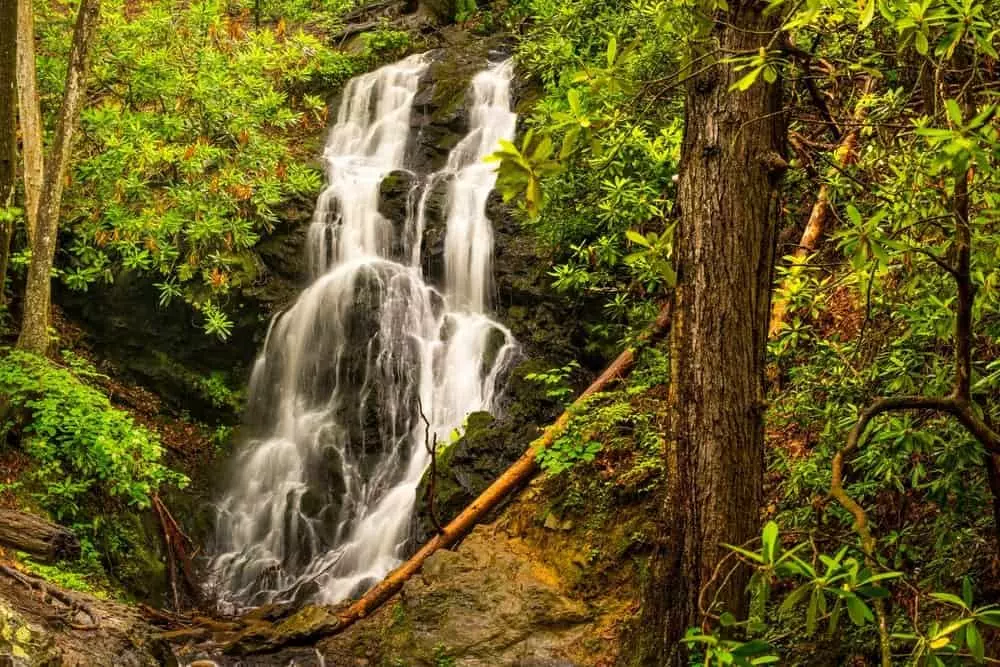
column 137, row 562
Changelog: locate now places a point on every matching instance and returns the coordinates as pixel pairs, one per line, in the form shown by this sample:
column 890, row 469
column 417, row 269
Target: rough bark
column 30, row 113
column 732, row 161
column 38, row 537
column 8, row 128
column 34, row 327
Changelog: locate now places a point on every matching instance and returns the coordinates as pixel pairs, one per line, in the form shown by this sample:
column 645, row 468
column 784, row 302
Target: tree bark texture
column 731, row 166
column 30, row 113
column 34, row 327
column 36, row 536
column 8, row 128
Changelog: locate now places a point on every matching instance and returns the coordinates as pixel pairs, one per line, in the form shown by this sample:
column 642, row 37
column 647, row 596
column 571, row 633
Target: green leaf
column 812, row 611
column 990, row 617
column 637, row 238
column 573, row 96
column 543, row 151
column 867, row 14
column 748, row 79
column 854, row 215
column 569, row 143
column 858, row 610
column 967, row 591
column 950, row 599
column 954, row 111
column 612, row 51
column 794, row 598
column 975, row 642
column 769, row 538
column 952, row 627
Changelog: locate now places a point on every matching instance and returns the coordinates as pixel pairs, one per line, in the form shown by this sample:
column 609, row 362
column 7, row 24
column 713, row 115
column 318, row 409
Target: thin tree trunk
column 34, row 327
column 731, row 166
column 30, row 113
column 8, row 130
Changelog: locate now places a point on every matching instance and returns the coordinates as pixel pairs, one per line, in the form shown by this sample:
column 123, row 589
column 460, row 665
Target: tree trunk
column 732, row 162
column 34, row 327
column 30, row 114
column 36, row 536
column 8, row 130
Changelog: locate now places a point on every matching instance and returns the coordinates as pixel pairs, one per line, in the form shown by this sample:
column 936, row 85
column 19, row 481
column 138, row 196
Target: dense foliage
column 197, row 139
column 91, row 464
column 885, row 125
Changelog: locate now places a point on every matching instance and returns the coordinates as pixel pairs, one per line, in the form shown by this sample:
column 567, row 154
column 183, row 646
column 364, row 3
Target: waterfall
column 323, row 496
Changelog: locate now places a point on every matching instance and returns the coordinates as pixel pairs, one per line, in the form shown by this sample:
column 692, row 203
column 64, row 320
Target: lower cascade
column 370, row 361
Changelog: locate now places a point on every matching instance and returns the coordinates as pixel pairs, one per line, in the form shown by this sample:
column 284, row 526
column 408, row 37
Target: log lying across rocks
column 311, row 624
column 37, row 536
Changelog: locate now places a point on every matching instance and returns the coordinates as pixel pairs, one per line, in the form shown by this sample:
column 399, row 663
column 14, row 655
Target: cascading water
column 322, row 503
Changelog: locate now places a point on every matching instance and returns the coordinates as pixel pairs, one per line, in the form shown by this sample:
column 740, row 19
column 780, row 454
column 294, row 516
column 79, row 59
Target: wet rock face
column 164, row 348
column 485, row 450
column 482, row 606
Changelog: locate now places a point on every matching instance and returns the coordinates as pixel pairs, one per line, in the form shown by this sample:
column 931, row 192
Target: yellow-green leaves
column 763, row 64
column 866, row 10
column 521, row 169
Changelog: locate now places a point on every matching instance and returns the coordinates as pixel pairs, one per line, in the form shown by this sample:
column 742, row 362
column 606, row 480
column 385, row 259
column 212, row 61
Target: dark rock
column 486, row 448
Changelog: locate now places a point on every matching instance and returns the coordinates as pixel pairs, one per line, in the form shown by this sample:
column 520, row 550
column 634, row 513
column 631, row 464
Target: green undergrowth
column 92, row 467
column 198, row 140
column 599, row 491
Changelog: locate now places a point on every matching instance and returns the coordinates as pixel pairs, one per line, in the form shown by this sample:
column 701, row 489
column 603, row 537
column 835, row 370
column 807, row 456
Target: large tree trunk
column 34, row 327
column 732, row 162
column 36, row 536
column 8, row 130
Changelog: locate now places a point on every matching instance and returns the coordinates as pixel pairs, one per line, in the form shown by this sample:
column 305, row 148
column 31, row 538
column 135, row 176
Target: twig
column 431, row 446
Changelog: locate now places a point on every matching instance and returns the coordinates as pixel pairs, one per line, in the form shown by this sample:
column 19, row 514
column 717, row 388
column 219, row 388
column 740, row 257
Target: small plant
column 216, row 389
column 441, row 657
column 556, row 381
column 465, row 9
column 827, row 586
column 566, row 452
column 80, row 443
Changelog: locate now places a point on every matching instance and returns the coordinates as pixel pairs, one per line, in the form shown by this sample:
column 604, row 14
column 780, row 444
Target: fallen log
column 38, row 537
column 845, row 154
column 314, row 623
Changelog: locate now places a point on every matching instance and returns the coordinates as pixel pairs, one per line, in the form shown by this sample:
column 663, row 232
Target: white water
column 322, row 503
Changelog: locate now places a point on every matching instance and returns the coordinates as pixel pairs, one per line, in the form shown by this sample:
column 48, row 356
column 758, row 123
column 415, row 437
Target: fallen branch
column 38, row 537
column 177, row 545
column 431, row 444
column 313, row 623
column 844, row 154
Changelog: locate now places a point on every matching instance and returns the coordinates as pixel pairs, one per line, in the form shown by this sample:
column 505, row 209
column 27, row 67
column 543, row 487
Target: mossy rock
column 139, row 564
column 487, row 447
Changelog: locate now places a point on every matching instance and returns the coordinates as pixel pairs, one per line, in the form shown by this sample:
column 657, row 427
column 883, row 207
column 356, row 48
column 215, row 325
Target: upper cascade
column 370, row 362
